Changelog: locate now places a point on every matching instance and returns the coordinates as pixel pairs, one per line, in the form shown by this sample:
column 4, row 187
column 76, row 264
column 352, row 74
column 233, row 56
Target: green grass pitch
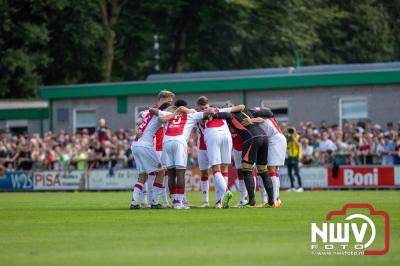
column 97, row 228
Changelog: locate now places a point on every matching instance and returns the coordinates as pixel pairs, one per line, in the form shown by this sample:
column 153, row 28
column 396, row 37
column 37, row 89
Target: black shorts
column 255, row 150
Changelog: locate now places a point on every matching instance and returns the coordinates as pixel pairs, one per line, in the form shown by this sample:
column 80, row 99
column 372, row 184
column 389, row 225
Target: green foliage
column 64, row 42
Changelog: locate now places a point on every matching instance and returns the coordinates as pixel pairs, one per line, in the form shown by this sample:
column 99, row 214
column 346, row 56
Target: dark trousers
column 293, row 165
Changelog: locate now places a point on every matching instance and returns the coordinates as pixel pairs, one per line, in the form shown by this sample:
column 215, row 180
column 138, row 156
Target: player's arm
column 233, row 109
column 252, row 121
column 164, row 116
column 238, row 108
column 154, row 111
column 202, row 115
column 221, row 115
column 183, row 109
column 262, row 112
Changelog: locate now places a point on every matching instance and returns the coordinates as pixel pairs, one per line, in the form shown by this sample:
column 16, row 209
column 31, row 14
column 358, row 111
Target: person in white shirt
column 147, row 159
column 326, row 144
column 178, row 128
column 307, row 150
column 218, row 140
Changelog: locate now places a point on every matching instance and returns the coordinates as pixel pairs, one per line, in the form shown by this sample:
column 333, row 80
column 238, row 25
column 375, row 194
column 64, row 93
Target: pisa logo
column 357, row 229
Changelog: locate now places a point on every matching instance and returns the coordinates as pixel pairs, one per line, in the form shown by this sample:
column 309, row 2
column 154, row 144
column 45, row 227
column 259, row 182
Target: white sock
column 137, row 191
column 263, row 192
column 205, row 188
column 184, row 199
column 150, row 182
column 180, row 195
column 220, row 186
column 242, row 190
column 278, row 186
column 144, row 194
column 157, row 188
column 226, row 178
column 164, row 191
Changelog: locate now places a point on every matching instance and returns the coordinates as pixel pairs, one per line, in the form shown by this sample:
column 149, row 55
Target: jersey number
column 176, row 125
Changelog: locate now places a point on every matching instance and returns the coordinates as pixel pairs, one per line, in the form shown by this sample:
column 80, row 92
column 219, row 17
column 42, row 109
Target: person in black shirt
column 24, row 158
column 255, row 151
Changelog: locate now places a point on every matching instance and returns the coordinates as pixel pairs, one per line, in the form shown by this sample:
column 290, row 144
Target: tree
column 76, row 44
column 361, row 35
column 110, row 11
column 23, row 46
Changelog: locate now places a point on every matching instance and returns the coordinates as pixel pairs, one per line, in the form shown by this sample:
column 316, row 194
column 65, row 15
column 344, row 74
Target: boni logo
column 358, row 230
column 351, row 178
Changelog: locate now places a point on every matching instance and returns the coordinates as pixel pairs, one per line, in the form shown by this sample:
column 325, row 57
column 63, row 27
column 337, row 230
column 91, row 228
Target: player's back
column 249, row 131
column 217, row 124
column 270, row 127
column 180, row 127
column 149, row 126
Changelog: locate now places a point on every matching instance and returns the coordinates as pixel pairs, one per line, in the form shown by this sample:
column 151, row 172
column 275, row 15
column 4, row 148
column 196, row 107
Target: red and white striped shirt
column 149, row 126
column 180, row 127
column 270, row 127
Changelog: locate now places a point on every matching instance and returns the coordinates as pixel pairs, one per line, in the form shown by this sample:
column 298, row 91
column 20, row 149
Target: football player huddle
column 160, row 150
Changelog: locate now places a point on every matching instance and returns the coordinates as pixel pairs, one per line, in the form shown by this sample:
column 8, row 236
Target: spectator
column 341, row 152
column 81, row 159
column 294, row 157
column 388, row 148
column 103, row 133
column 396, row 157
column 308, row 152
column 354, row 144
column 24, row 156
column 325, row 144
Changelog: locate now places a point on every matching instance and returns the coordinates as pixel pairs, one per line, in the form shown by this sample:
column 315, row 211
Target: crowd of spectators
column 361, row 143
column 354, row 144
column 102, row 149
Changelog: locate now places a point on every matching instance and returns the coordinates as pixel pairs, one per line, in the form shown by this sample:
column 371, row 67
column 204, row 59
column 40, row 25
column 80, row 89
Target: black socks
column 250, row 186
column 269, row 187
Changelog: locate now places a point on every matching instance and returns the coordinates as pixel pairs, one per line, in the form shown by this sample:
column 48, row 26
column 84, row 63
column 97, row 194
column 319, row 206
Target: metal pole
column 298, row 57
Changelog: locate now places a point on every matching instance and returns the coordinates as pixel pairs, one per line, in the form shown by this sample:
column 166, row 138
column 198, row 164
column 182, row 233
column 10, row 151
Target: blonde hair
column 165, row 94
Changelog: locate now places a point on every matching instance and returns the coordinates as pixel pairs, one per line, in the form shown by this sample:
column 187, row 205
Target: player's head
column 164, row 106
column 267, row 111
column 171, row 109
column 179, row 103
column 202, row 102
column 228, row 104
column 165, row 96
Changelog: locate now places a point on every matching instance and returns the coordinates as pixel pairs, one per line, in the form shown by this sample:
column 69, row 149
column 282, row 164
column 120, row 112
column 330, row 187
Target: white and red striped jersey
column 201, row 144
column 180, row 127
column 270, row 127
column 237, row 141
column 149, row 126
column 158, row 138
column 217, row 124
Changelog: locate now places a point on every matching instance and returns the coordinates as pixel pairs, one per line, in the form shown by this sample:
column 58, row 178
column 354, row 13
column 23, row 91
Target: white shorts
column 237, row 158
column 203, row 160
column 175, row 154
column 219, row 147
column 276, row 150
column 147, row 159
